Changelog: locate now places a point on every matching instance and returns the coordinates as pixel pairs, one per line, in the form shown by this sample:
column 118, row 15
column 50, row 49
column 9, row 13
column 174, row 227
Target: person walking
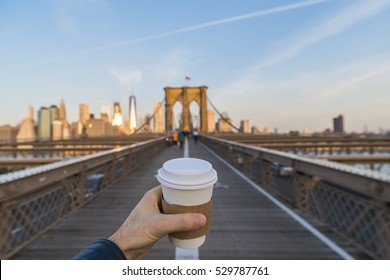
column 195, row 135
column 181, row 139
column 175, row 137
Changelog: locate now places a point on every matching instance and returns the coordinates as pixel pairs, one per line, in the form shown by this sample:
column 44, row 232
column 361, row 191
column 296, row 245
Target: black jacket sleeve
column 101, row 249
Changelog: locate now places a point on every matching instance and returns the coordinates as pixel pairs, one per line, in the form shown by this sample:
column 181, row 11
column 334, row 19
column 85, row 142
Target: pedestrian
column 195, row 135
column 175, row 137
column 181, row 139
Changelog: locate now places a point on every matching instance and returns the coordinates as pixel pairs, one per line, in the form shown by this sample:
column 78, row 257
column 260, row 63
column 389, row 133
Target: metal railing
column 353, row 202
column 33, row 200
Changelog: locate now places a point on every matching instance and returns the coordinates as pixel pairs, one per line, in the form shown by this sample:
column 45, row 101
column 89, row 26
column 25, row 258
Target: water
column 383, row 168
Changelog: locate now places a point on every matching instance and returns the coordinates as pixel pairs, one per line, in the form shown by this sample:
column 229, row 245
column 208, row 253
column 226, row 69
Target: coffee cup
column 187, row 187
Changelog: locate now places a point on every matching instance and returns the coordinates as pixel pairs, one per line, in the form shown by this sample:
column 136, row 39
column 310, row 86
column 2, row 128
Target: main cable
column 149, row 118
column 221, row 116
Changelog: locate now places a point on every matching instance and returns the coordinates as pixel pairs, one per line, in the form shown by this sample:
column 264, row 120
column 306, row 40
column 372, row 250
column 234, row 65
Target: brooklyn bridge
column 277, row 197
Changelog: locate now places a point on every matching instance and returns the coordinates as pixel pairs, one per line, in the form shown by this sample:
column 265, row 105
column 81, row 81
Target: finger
column 168, row 223
column 154, row 193
column 153, row 196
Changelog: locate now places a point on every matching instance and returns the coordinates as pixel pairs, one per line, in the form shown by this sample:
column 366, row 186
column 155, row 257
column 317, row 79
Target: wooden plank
column 245, row 225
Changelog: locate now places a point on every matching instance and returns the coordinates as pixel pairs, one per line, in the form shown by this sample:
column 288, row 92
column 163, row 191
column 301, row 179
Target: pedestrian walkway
column 245, row 223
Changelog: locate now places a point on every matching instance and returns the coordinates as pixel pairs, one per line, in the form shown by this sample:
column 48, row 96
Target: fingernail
column 200, row 220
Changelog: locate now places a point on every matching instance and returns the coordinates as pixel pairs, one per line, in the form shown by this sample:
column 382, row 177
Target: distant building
column 106, row 109
column 196, row 121
column 57, row 129
column 255, row 130
column 84, row 114
column 147, row 128
column 210, row 121
column 65, row 124
column 158, row 125
column 27, row 128
column 224, row 125
column 306, row 132
column 117, row 118
column 326, row 132
column 105, row 117
column 132, row 114
column 266, row 131
column 73, row 130
column 8, row 133
column 244, row 126
column 45, row 119
column 338, row 124
column 108, row 129
column 95, row 127
column 55, row 111
column 293, row 133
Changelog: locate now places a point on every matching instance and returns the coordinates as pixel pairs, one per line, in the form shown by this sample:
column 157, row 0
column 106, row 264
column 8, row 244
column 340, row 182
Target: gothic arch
column 185, row 95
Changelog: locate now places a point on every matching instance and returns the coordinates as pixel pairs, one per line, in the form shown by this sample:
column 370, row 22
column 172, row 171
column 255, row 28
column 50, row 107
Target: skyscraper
column 158, row 118
column 84, row 113
column 105, row 109
column 224, row 123
column 210, row 121
column 338, row 124
column 57, row 129
column 117, row 119
column 65, row 125
column 45, row 119
column 132, row 114
column 244, row 127
column 27, row 128
column 83, row 119
column 55, row 112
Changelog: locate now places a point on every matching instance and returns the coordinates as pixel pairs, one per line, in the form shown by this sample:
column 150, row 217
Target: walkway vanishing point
column 247, row 222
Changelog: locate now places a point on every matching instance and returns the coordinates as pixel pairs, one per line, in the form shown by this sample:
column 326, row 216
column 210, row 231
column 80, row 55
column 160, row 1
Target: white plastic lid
column 187, row 174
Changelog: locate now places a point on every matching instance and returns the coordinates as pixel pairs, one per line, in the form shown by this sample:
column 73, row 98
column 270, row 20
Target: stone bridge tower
column 185, row 95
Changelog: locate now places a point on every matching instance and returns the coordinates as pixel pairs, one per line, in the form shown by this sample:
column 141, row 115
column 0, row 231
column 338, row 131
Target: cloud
column 126, row 78
column 346, row 86
column 204, row 25
column 309, row 99
column 173, row 66
column 352, row 15
column 68, row 14
column 248, row 80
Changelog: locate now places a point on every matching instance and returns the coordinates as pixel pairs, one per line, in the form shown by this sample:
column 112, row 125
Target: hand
column 146, row 225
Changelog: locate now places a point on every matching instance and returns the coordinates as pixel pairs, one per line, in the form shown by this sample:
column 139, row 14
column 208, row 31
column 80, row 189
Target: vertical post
column 265, row 173
column 168, row 112
column 203, row 109
column 186, row 110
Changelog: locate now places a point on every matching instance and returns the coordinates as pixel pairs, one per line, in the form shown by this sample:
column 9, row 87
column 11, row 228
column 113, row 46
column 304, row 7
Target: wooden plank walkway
column 245, row 224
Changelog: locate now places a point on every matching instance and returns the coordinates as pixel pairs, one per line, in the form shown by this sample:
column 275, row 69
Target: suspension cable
column 149, row 118
column 221, row 116
column 208, row 99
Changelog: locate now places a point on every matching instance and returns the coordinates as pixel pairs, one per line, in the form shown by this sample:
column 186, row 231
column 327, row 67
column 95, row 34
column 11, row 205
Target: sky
column 285, row 65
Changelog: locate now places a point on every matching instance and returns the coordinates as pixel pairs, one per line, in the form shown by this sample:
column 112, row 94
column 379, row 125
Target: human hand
column 146, row 225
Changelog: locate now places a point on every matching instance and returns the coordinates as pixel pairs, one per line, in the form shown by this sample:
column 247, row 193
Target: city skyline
column 291, row 64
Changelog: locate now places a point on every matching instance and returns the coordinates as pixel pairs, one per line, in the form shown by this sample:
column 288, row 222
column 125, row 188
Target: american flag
column 188, row 78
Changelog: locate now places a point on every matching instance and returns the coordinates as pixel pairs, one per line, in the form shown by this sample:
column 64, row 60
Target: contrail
column 203, row 25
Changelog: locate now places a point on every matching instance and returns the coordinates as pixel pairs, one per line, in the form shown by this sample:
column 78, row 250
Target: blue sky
column 281, row 64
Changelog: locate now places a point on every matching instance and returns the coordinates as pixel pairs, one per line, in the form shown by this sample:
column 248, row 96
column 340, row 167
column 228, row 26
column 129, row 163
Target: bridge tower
column 185, row 95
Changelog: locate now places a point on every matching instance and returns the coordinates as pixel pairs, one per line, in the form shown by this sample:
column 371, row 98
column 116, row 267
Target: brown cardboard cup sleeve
column 205, row 209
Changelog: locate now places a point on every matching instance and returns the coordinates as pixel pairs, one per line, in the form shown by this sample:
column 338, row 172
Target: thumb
column 169, row 223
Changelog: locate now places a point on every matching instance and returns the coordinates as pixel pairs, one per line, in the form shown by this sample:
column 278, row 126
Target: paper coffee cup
column 188, row 182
